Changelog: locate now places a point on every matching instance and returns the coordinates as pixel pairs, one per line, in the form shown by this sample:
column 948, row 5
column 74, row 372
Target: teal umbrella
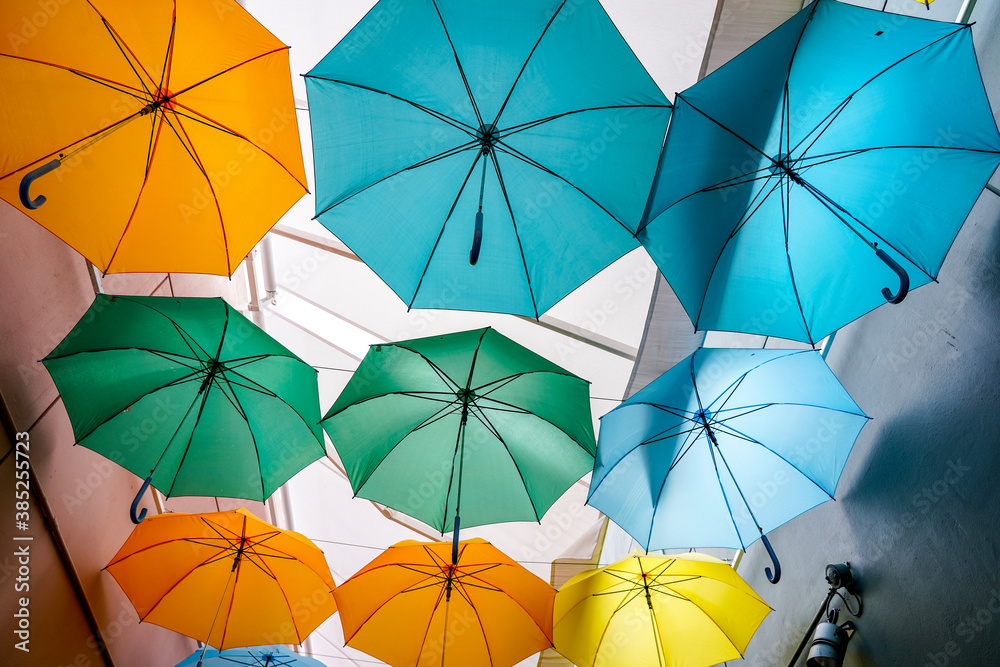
column 823, row 171
column 251, row 656
column 468, row 424
column 189, row 394
column 490, row 155
column 724, row 447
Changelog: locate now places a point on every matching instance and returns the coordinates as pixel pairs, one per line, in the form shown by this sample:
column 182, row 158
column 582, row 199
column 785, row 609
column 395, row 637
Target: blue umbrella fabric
column 490, row 155
column 725, row 446
column 862, row 141
column 252, row 656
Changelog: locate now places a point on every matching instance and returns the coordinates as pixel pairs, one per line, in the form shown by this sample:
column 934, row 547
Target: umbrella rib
column 457, row 124
column 93, row 135
column 434, row 158
column 458, row 63
column 120, row 43
column 740, row 224
column 186, row 337
column 686, row 447
column 238, row 405
column 834, row 207
column 479, row 619
column 486, row 422
column 430, row 255
column 513, row 152
column 524, row 66
column 189, row 147
column 786, row 204
column 201, row 409
column 155, row 130
column 427, row 629
column 108, row 83
column 514, row 129
column 517, row 234
column 886, row 69
column 172, row 383
column 744, row 436
column 168, row 56
column 198, row 117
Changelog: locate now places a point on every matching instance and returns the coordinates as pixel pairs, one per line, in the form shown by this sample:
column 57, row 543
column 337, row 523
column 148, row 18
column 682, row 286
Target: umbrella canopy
column 225, row 578
column 189, row 392
column 514, row 146
column 690, row 610
column 253, row 656
column 410, row 606
column 724, row 447
column 868, row 140
column 169, row 124
column 467, row 423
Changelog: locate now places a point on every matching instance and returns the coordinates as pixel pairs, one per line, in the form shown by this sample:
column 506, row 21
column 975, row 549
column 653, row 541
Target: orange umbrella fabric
column 411, row 607
column 173, row 122
column 225, row 578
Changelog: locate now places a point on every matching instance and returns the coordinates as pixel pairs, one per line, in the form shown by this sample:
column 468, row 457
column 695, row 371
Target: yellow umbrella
column 422, row 604
column 669, row 611
column 225, row 578
column 150, row 136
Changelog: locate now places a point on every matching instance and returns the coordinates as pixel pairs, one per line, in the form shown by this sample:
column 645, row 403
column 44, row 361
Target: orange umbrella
column 161, row 133
column 225, row 578
column 412, row 607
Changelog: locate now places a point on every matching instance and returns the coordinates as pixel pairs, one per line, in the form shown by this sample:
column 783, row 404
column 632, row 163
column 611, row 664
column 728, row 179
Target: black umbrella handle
column 137, row 518
column 454, row 543
column 904, row 278
column 477, row 239
column 776, row 576
column 29, row 178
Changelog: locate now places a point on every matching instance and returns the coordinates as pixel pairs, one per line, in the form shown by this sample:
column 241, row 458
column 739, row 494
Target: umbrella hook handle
column 136, row 519
column 904, row 278
column 30, row 178
column 773, row 578
column 477, row 239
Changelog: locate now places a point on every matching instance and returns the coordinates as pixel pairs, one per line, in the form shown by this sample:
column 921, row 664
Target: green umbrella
column 468, row 423
column 190, row 393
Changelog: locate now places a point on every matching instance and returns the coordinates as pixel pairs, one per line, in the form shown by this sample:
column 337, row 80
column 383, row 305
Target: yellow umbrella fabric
column 173, row 122
column 643, row 611
column 411, row 607
column 225, row 578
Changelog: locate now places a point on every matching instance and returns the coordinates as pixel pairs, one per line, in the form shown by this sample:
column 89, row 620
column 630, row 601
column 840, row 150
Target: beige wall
column 45, row 289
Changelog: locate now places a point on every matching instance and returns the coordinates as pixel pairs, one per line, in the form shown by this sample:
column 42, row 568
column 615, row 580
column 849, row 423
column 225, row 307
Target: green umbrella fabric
column 468, row 424
column 189, row 391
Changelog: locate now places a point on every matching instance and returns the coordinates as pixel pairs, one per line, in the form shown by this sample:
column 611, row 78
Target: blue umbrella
column 858, row 145
column 490, row 155
column 253, row 656
column 725, row 446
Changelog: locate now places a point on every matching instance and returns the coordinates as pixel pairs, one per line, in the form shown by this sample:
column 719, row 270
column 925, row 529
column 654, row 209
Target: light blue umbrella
column 725, row 446
column 821, row 172
column 489, row 155
column 252, row 656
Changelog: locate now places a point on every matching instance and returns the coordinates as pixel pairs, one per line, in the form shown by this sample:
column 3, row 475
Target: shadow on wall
column 923, row 502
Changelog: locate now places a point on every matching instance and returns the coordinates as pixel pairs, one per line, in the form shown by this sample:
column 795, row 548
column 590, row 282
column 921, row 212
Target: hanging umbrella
column 253, row 656
column 725, row 446
column 225, row 578
column 467, row 424
column 162, row 133
column 488, row 155
column 189, row 394
column 415, row 606
column 690, row 610
column 868, row 140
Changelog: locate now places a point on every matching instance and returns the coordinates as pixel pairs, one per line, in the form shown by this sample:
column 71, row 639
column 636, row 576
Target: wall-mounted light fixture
column 829, row 643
